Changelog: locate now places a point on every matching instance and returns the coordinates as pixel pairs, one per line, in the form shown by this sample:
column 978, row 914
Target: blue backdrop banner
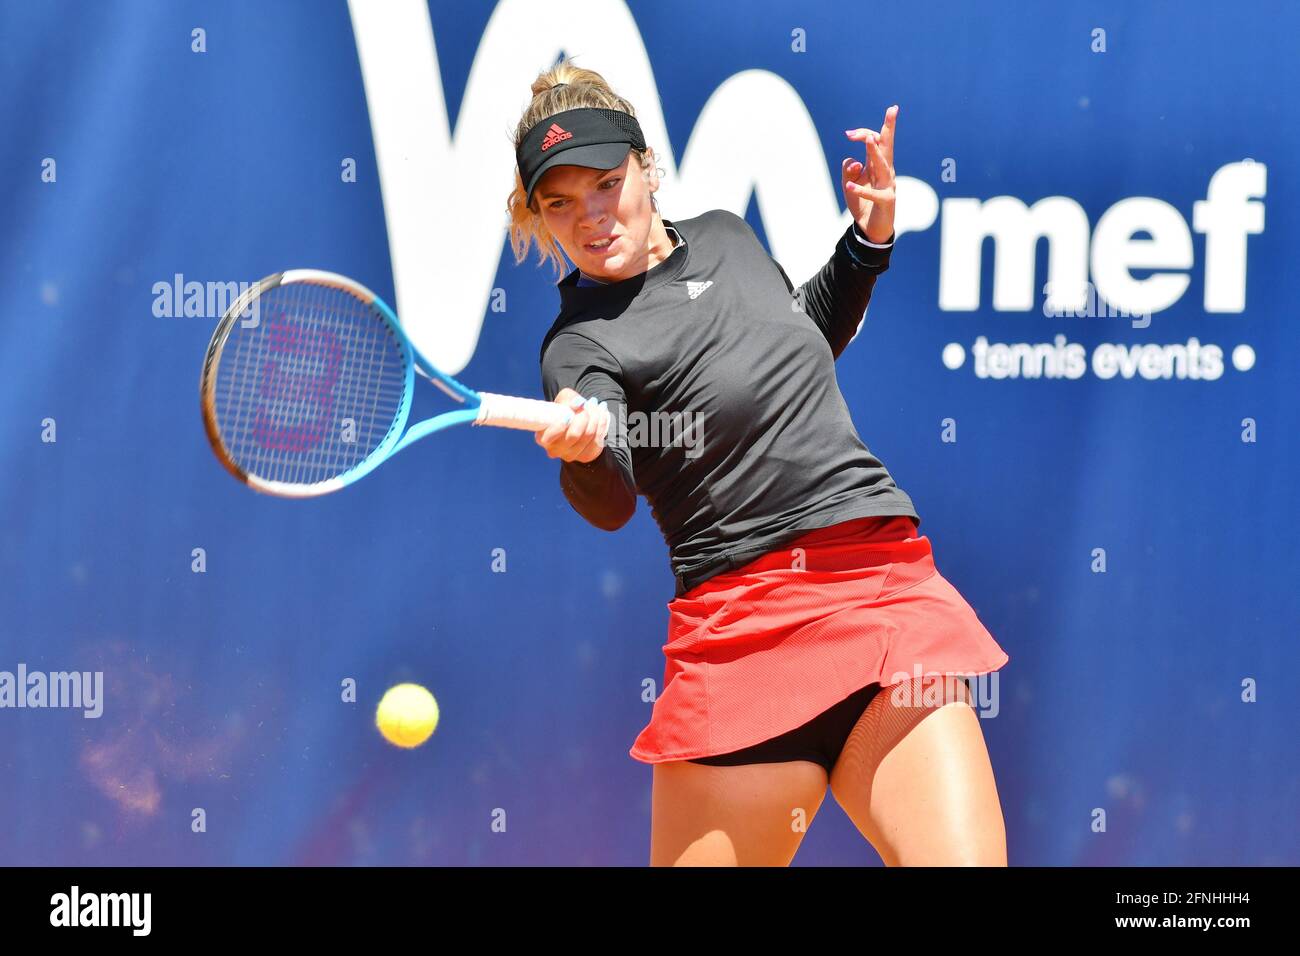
column 1077, row 365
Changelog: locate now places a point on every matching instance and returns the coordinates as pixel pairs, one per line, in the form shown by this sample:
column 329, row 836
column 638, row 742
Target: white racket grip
column 525, row 414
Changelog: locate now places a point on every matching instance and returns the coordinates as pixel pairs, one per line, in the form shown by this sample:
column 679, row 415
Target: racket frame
column 393, row 442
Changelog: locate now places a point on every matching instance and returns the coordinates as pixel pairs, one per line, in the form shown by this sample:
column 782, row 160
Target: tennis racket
column 308, row 381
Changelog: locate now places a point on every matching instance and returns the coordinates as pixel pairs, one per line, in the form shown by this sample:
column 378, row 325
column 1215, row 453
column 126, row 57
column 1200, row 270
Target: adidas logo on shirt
column 693, row 289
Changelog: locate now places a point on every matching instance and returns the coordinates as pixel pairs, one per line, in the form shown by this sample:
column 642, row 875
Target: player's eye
column 560, row 202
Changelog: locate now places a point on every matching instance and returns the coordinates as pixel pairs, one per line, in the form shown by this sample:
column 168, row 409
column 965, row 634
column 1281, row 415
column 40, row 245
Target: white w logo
column 444, row 198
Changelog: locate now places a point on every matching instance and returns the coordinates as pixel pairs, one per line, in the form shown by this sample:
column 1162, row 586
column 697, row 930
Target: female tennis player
column 706, row 382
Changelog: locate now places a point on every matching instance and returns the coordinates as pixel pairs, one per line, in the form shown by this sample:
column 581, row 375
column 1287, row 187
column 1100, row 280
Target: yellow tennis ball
column 407, row 715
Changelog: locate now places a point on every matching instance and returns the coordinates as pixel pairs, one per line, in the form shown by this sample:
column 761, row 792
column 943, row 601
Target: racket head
column 307, row 384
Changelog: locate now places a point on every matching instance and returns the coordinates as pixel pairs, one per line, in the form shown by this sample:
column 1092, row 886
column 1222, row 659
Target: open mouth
column 602, row 245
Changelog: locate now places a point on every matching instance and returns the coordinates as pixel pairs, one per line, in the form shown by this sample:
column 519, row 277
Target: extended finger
column 887, row 131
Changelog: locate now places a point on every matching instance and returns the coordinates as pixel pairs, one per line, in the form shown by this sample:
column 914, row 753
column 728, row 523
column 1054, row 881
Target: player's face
column 581, row 205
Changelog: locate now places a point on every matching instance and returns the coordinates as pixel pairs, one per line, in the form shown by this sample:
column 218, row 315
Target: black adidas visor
column 591, row 137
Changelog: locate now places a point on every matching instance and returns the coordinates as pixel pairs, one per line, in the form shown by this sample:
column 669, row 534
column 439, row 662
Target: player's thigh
column 749, row 815
column 915, row 778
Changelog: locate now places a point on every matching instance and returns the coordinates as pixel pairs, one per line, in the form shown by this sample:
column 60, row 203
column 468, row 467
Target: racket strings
column 312, row 389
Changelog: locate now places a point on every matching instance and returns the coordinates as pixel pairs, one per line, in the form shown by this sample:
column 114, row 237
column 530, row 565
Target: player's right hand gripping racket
column 308, row 381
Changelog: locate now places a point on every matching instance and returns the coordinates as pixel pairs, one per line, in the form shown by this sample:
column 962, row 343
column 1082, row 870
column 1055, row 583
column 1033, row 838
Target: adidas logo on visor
column 556, row 134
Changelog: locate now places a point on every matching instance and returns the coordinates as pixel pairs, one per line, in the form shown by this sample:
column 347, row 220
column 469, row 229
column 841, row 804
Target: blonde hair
column 582, row 88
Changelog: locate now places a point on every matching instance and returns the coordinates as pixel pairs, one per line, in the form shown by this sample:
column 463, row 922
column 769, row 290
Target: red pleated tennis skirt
column 758, row 651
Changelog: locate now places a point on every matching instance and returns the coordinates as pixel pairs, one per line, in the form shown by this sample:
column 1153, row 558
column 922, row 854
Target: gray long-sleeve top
column 720, row 376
